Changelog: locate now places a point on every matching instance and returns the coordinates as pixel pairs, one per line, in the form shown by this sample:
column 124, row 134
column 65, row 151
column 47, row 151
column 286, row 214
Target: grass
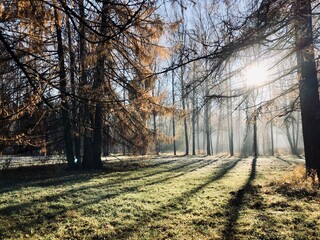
column 162, row 198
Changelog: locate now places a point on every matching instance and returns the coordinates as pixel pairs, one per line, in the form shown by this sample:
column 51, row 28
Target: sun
column 256, row 75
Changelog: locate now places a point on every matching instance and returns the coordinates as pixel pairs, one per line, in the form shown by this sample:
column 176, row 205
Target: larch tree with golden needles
column 23, row 68
column 73, row 59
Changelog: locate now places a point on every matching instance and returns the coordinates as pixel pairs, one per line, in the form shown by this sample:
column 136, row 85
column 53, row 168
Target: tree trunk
column 291, row 126
column 230, row 128
column 155, row 130
column 198, row 133
column 92, row 139
column 173, row 118
column 194, row 109
column 208, row 133
column 106, row 142
column 98, row 83
column 75, row 126
column 246, row 148
column 186, row 137
column 296, row 143
column 230, row 121
column 84, row 118
column 308, row 85
column 218, row 145
column 289, row 137
column 193, row 132
column 271, row 138
column 64, row 101
column 255, row 136
column 97, row 136
column 207, row 120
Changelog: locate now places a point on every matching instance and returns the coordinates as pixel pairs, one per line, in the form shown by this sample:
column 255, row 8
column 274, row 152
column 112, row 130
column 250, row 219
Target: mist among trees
column 91, row 78
column 159, row 119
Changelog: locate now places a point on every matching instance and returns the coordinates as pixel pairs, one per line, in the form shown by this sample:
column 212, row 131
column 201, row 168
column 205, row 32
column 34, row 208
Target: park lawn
column 162, row 198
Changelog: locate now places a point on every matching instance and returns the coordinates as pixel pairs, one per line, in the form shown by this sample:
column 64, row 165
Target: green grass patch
column 159, row 198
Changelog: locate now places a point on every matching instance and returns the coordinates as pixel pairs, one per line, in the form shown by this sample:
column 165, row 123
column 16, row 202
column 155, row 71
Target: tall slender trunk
column 193, row 132
column 271, row 136
column 255, row 136
column 198, row 132
column 75, row 126
column 185, row 124
column 98, row 86
column 64, row 100
column 90, row 150
column 155, row 130
column 230, row 130
column 230, row 120
column 207, row 120
column 183, row 95
column 297, row 133
column 173, row 117
column 194, row 109
column 246, row 148
column 207, row 108
column 291, row 127
column 106, row 141
column 308, row 85
column 84, row 118
column 97, row 136
column 289, row 137
column 208, row 133
column 123, row 143
column 218, row 145
column 156, row 143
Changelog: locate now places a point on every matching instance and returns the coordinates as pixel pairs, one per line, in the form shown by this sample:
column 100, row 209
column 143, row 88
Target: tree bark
column 75, row 126
column 98, row 83
column 155, row 130
column 194, row 109
column 64, row 100
column 207, row 124
column 230, row 120
column 308, row 85
column 218, row 138
column 255, row 137
column 198, row 133
column 271, row 138
column 185, row 124
column 173, row 117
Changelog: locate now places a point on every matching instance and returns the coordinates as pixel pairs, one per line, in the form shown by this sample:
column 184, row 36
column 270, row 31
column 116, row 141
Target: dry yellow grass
column 296, row 182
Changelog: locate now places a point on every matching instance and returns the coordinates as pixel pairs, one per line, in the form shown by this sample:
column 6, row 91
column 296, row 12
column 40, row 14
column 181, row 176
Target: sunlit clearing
column 256, row 75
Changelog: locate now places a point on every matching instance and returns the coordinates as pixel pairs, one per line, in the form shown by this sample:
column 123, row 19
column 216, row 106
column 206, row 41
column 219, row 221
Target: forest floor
column 162, row 198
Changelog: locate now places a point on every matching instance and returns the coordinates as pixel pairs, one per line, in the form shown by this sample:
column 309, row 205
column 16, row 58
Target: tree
column 268, row 24
column 283, row 26
column 65, row 109
column 308, row 84
column 110, row 46
column 22, row 85
column 291, row 125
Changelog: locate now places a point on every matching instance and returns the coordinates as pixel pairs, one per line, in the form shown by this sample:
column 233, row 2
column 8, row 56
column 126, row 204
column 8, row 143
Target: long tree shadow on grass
column 173, row 204
column 54, row 175
column 83, row 177
column 185, row 167
column 7, row 211
column 285, row 160
column 237, row 202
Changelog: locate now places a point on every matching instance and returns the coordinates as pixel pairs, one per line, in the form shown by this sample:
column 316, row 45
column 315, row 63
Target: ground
column 163, row 197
